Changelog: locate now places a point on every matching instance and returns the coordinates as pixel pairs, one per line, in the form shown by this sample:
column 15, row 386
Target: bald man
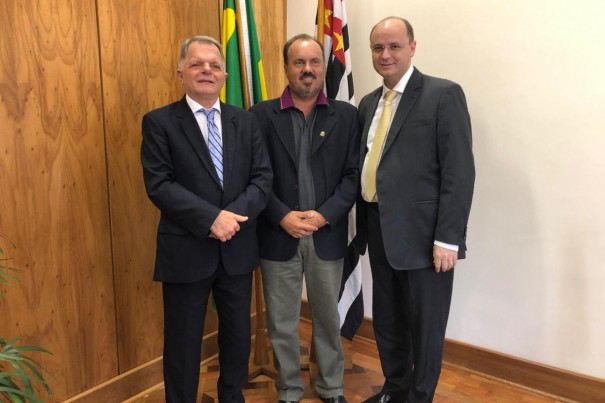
column 417, row 178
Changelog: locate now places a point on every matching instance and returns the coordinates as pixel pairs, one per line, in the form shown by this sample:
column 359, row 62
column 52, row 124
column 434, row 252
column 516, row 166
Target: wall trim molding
column 140, row 379
column 532, row 375
column 538, row 377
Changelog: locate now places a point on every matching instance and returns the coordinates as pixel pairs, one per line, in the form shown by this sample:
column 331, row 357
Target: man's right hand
column 226, row 225
column 296, row 225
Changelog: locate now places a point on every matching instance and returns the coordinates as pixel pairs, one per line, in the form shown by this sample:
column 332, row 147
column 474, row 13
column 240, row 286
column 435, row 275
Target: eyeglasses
column 394, row 47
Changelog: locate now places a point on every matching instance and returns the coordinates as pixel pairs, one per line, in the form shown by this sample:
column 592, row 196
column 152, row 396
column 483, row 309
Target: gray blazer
column 426, row 175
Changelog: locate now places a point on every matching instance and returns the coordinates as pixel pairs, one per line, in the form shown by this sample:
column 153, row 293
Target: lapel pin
column 322, row 134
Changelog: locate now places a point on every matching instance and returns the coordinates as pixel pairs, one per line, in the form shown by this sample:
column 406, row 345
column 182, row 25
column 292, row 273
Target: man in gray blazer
column 417, row 178
column 207, row 171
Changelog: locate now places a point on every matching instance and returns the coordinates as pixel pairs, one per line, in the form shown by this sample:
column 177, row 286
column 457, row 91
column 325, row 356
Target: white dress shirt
column 201, row 118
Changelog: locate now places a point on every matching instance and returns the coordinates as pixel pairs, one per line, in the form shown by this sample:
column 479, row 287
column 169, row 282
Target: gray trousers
column 282, row 283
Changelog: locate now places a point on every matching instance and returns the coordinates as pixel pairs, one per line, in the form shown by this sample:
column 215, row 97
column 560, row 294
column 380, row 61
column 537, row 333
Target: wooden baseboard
column 139, row 379
column 542, row 378
column 550, row 380
column 123, row 386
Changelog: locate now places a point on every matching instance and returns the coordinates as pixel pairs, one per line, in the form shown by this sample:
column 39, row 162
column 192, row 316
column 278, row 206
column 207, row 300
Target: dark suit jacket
column 334, row 166
column 426, row 175
column 181, row 181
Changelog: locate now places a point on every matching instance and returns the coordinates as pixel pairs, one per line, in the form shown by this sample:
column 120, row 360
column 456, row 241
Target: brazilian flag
column 245, row 85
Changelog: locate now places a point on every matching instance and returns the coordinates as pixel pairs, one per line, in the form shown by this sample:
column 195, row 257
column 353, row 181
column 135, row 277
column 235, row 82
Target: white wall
column 533, row 285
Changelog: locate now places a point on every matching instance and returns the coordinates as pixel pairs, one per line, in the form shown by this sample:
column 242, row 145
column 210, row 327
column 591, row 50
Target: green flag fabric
column 248, row 53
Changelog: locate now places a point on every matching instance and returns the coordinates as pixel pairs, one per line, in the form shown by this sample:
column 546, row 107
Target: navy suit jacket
column 426, row 175
column 181, row 181
column 334, row 166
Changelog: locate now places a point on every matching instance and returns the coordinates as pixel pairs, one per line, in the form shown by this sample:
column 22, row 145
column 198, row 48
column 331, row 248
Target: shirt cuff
column 447, row 245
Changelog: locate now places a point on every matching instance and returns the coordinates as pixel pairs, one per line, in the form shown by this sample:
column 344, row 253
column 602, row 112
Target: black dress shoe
column 373, row 399
column 335, row 399
column 384, row 398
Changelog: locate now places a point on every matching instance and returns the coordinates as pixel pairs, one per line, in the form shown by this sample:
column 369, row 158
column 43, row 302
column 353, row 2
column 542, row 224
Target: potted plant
column 18, row 371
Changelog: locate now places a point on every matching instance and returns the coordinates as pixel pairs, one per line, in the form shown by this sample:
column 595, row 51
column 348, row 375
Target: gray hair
column 199, row 39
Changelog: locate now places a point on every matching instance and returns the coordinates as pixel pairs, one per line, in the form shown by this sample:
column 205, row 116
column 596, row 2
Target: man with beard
column 313, row 145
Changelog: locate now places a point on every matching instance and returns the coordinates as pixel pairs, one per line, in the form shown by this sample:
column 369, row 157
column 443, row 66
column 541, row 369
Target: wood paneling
column 76, row 78
column 140, row 42
column 53, row 190
column 271, row 26
column 136, row 381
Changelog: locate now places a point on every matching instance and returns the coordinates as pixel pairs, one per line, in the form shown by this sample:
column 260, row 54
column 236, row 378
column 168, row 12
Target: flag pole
column 321, row 15
column 242, row 54
column 261, row 365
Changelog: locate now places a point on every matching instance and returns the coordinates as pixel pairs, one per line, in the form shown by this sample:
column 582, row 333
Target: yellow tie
column 369, row 187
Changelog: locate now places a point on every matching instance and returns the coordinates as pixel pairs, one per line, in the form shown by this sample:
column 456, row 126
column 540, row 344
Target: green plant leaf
column 17, row 385
column 26, row 370
column 16, row 395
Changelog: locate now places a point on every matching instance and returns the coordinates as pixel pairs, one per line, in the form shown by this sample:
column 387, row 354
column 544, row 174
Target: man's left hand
column 444, row 259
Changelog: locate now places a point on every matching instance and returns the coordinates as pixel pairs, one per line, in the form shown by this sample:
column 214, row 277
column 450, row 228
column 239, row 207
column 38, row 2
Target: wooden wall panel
column 53, row 190
column 140, row 42
column 271, row 25
column 76, row 78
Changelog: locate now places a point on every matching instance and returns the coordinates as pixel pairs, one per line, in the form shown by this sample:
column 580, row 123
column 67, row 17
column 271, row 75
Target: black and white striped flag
column 339, row 85
column 339, row 78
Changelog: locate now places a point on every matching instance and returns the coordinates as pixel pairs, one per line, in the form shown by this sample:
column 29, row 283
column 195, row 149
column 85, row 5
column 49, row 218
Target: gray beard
column 307, row 93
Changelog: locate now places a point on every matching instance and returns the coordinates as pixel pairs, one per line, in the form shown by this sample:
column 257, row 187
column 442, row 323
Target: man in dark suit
column 206, row 169
column 417, row 185
column 313, row 145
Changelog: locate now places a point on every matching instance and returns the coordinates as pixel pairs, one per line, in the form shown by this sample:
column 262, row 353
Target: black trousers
column 410, row 310
column 184, row 314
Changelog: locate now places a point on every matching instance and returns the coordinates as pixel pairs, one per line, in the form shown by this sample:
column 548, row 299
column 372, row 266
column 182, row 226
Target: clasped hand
column 300, row 224
column 226, row 225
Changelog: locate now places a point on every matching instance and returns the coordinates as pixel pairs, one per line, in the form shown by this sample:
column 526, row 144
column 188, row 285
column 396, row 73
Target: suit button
column 296, row 207
column 295, row 187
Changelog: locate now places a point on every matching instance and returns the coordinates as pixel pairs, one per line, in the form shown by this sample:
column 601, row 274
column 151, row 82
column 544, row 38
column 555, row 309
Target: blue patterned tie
column 215, row 145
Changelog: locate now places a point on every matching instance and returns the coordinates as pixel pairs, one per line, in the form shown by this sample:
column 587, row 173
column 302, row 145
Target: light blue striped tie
column 215, row 145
